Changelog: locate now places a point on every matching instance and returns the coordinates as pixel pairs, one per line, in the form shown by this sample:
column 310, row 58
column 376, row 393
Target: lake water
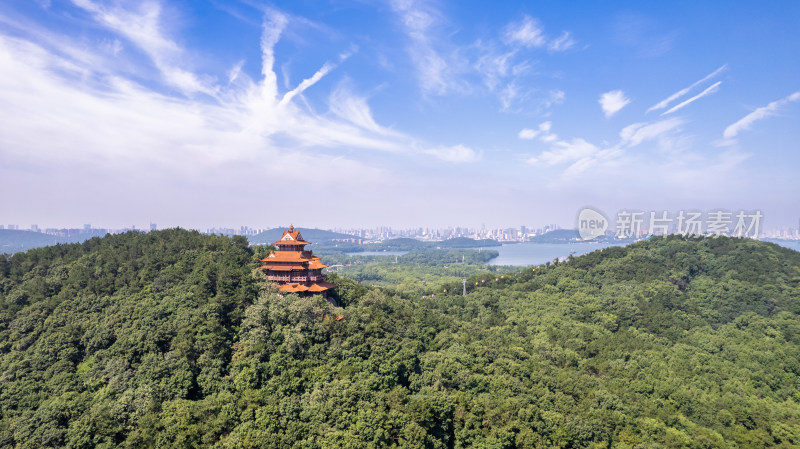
column 524, row 254
column 791, row 244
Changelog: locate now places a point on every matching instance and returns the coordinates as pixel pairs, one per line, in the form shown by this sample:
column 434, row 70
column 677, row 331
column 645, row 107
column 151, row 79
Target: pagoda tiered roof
column 295, row 270
column 291, row 237
column 289, row 256
column 316, row 264
column 297, row 287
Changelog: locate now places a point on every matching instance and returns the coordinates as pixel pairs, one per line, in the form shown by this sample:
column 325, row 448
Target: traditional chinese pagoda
column 294, row 269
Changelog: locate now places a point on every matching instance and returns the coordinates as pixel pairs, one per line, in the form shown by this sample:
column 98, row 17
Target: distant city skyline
column 503, row 234
column 204, row 114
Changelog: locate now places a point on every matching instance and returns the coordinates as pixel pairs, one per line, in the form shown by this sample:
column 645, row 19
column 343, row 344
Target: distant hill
column 406, row 244
column 571, row 235
column 12, row 241
column 311, row 235
column 466, row 242
column 557, row 236
column 409, row 244
column 399, row 244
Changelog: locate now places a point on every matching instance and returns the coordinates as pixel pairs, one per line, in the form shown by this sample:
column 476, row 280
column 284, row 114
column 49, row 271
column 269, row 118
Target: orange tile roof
column 294, row 287
column 320, row 286
column 316, row 264
column 289, row 256
column 291, row 237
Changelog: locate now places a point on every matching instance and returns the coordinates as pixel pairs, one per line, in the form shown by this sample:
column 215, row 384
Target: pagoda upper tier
column 294, row 269
column 291, row 240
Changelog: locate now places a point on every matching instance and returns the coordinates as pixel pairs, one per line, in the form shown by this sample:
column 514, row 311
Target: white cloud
column 581, row 155
column 495, row 66
column 635, row 134
column 509, row 95
column 455, row 153
column 665, row 102
column 273, row 25
column 708, row 91
column 566, row 151
column 51, row 116
column 528, row 32
column 143, row 29
column 763, row 112
column 308, row 82
column 548, row 138
column 612, row 102
column 578, row 153
column 354, row 109
column 235, row 71
column 561, row 43
column 435, row 72
column 543, row 132
column 556, row 97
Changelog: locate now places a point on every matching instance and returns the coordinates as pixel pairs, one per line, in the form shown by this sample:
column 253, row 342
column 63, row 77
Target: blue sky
column 403, row 113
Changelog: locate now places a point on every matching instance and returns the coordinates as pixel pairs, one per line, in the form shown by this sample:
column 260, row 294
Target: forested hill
column 171, row 339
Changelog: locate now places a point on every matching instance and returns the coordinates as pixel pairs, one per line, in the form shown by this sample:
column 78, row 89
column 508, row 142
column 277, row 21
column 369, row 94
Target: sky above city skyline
column 399, row 112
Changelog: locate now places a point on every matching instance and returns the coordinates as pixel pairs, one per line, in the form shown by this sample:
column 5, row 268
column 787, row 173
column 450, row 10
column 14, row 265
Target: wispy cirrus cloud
column 634, row 134
column 707, row 91
column 528, row 32
column 580, row 155
column 444, row 68
column 437, row 73
column 142, row 28
column 612, row 102
column 564, row 151
column 353, row 108
column 50, row 117
column 763, row 112
column 562, row 42
column 665, row 102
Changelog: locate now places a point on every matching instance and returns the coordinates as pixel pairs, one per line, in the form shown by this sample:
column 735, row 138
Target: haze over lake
column 524, row 254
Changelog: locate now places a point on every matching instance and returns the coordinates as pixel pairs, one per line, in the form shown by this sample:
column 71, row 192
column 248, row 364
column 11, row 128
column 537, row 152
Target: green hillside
column 170, row 339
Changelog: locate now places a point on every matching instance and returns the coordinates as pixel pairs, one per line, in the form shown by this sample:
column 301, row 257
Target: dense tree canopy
column 172, row 339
